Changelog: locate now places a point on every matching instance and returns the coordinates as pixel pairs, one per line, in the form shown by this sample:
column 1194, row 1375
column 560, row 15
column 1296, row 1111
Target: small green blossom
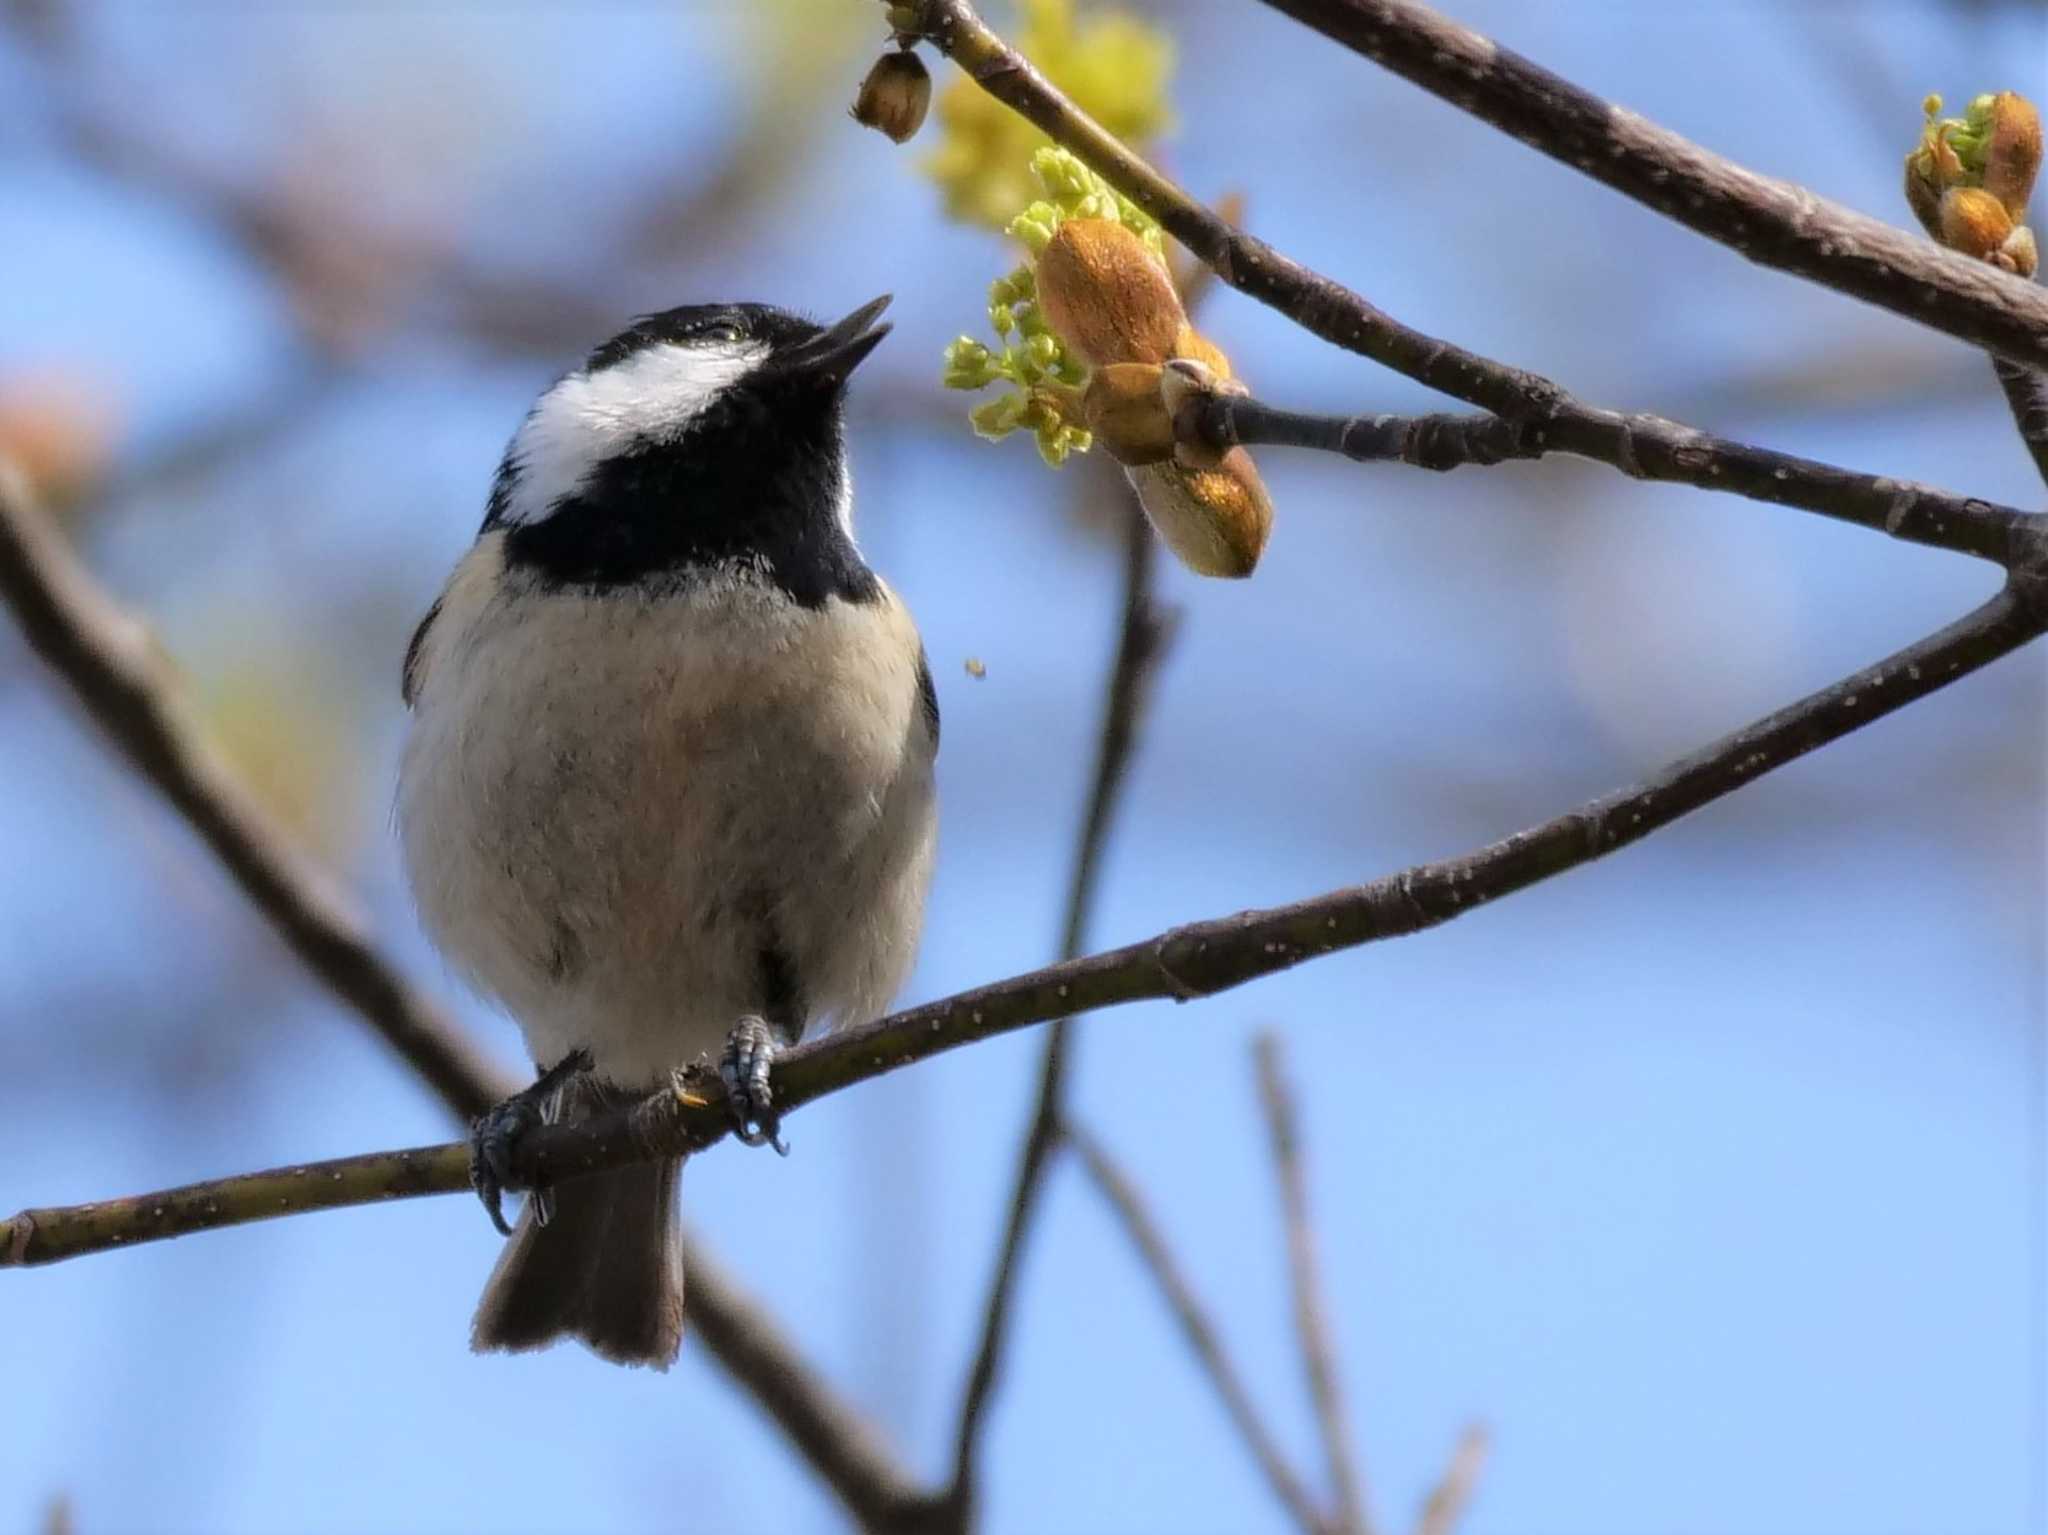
column 1073, row 191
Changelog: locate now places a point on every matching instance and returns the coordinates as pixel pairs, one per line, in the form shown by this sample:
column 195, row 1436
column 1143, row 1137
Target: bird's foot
column 494, row 1134
column 750, row 1049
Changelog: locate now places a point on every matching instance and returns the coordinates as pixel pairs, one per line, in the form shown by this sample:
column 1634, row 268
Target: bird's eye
column 720, row 332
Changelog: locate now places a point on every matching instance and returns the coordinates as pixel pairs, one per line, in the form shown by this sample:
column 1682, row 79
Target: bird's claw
column 750, row 1050
column 494, row 1134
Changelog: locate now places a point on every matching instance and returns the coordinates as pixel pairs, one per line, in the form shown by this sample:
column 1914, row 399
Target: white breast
column 610, row 804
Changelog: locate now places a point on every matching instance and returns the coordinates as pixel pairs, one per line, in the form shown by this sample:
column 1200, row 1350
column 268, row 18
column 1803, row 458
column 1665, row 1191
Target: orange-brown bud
column 894, row 96
column 1109, row 298
column 1214, row 520
column 2012, row 152
column 1123, row 408
column 1973, row 221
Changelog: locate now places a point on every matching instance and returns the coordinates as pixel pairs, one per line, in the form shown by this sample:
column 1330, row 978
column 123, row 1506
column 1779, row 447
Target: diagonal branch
column 2026, row 392
column 1141, row 640
column 1311, row 1315
column 1773, row 223
column 1448, row 1499
column 840, row 1444
column 131, row 690
column 1194, row 960
column 1202, row 1336
column 1643, row 446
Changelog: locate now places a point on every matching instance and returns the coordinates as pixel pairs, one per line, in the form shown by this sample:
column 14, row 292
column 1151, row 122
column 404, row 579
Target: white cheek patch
column 587, row 418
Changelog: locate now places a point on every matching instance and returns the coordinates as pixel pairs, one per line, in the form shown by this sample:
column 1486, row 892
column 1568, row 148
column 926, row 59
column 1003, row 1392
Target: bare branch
column 1201, row 1333
column 131, row 690
column 1202, row 958
column 1644, row 447
column 1447, row 1501
column 1773, row 223
column 1311, row 1316
column 1141, row 640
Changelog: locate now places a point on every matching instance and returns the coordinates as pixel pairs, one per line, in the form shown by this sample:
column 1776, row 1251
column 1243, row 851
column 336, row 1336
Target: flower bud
column 1973, row 221
column 1109, row 298
column 1214, row 520
column 2012, row 152
column 894, row 96
column 1123, row 408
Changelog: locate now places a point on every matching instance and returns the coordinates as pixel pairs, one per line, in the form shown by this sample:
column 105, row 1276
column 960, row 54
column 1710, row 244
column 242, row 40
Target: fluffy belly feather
column 634, row 819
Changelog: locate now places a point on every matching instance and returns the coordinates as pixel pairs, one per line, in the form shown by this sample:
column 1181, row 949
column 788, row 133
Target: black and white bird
column 668, row 787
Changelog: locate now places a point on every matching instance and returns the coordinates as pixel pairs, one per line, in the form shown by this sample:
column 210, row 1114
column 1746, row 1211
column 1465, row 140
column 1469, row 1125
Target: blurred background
column 1710, row 1177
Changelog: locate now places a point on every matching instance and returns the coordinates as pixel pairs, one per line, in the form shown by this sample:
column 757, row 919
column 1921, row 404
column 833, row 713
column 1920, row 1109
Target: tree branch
column 1202, row 1336
column 1199, row 958
column 1644, row 447
column 1773, row 223
column 840, row 1444
column 1142, row 637
column 1448, row 1500
column 130, row 688
column 2026, row 391
column 1311, row 1316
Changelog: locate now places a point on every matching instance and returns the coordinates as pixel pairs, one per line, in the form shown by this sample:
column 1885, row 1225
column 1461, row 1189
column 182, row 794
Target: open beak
column 833, row 354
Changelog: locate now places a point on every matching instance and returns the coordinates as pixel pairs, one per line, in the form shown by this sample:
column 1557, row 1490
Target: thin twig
column 133, row 693
column 1332, row 311
column 1202, row 1336
column 1448, row 1500
column 1773, row 223
column 1202, row 958
column 1142, row 637
column 1311, row 1315
column 1643, row 446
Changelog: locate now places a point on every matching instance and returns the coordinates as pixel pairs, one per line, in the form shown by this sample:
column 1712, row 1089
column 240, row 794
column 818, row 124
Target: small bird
column 668, row 786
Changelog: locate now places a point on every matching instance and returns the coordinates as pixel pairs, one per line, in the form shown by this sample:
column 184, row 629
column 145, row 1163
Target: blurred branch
column 1311, row 1316
column 840, row 1445
column 1644, row 447
column 1448, row 1500
column 1199, row 958
column 1201, row 1333
column 1773, row 223
column 2026, row 392
column 129, row 687
column 1142, row 637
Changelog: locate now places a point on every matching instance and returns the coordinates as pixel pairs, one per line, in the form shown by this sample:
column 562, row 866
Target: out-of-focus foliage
column 1114, row 65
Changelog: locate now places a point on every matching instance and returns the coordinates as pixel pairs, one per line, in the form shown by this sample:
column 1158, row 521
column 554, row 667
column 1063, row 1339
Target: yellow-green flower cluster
column 1044, row 378
column 1072, row 191
column 1115, row 67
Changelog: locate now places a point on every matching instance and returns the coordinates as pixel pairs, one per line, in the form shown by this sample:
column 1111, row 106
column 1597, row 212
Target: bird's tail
column 606, row 1268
